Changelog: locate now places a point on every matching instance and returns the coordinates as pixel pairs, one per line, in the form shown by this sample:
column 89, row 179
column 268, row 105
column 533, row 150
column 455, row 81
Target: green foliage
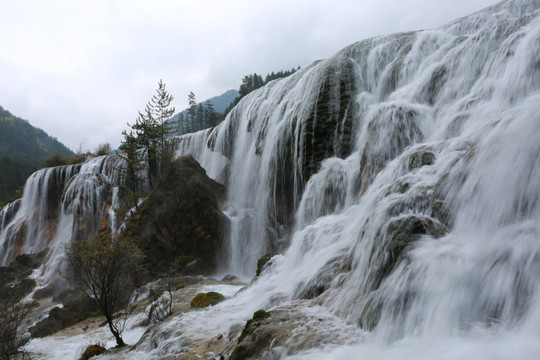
column 206, row 299
column 133, row 165
column 255, row 81
column 149, row 134
column 23, row 148
column 54, row 159
column 198, row 117
column 13, row 174
column 103, row 149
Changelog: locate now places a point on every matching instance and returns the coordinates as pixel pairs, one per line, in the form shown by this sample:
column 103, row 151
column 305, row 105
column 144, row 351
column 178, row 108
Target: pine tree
column 133, row 165
column 151, row 129
column 209, row 115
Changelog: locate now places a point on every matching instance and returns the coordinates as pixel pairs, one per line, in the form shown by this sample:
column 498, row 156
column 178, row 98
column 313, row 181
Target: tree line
column 255, row 81
column 200, row 116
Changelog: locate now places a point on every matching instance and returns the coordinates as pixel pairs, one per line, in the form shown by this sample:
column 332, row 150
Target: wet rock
column 327, row 277
column 181, row 222
column 283, row 331
column 206, row 299
column 421, row 158
column 14, row 281
column 69, row 314
column 396, row 237
column 91, row 351
column 229, row 278
column 390, row 129
column 263, row 263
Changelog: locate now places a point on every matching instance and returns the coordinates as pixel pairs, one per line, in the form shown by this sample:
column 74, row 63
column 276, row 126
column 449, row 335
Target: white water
column 59, row 205
column 446, row 135
column 414, row 219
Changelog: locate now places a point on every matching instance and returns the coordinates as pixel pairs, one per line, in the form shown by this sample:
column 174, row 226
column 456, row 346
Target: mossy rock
column 251, row 324
column 262, row 263
column 202, row 300
column 91, row 351
column 268, row 331
column 181, row 221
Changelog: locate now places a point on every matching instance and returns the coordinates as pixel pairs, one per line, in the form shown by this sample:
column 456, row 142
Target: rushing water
column 426, row 231
column 59, row 205
column 400, row 182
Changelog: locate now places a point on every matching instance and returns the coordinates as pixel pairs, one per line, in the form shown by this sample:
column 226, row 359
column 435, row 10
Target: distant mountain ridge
column 220, row 103
column 23, row 148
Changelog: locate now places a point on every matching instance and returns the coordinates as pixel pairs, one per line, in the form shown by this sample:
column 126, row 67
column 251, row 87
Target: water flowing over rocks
column 180, row 222
column 396, row 186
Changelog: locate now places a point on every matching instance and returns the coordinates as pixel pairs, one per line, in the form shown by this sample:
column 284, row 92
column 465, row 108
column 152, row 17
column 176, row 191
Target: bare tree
column 104, row 264
column 162, row 297
column 12, row 315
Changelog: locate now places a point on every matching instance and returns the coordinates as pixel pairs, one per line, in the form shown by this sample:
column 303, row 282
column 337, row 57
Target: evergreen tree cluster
column 197, row 117
column 200, row 116
column 255, row 81
column 146, row 145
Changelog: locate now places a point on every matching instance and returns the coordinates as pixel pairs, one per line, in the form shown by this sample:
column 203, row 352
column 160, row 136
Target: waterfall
column 31, row 227
column 59, row 205
column 400, row 179
column 397, row 181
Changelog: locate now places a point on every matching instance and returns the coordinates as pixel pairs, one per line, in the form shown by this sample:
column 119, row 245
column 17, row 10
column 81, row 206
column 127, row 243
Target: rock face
column 180, row 222
column 15, row 281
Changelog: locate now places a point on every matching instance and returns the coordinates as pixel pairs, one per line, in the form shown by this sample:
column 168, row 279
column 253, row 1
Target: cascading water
column 400, row 181
column 403, row 175
column 59, row 205
column 31, row 227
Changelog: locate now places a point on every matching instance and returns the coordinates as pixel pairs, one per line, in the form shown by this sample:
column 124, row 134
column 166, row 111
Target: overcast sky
column 80, row 70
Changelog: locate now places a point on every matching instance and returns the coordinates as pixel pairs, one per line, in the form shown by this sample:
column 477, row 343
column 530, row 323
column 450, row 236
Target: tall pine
column 151, row 132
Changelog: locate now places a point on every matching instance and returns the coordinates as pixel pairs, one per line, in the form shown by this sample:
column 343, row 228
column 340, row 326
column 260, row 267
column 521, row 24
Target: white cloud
column 81, row 69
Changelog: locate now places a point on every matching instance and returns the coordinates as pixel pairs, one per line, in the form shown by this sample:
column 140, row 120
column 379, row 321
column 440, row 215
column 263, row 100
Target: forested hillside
column 22, row 151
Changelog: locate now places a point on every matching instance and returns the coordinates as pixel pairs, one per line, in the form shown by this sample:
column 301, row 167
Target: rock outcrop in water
column 416, row 218
column 181, row 222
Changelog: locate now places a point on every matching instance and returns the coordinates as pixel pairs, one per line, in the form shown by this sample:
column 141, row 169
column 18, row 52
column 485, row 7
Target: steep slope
column 22, row 151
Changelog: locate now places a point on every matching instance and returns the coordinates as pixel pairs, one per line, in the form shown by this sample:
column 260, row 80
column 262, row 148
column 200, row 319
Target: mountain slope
column 22, row 151
column 220, row 103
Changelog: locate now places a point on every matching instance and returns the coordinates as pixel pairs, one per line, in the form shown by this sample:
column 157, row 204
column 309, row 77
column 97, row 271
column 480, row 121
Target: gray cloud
column 81, row 70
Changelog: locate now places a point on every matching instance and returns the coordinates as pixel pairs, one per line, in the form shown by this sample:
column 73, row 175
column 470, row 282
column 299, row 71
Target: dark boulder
column 181, row 222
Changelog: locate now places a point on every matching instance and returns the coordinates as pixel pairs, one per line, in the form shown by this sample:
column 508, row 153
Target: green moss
column 242, row 351
column 252, row 324
column 261, row 263
column 206, row 299
column 91, row 351
column 260, row 314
